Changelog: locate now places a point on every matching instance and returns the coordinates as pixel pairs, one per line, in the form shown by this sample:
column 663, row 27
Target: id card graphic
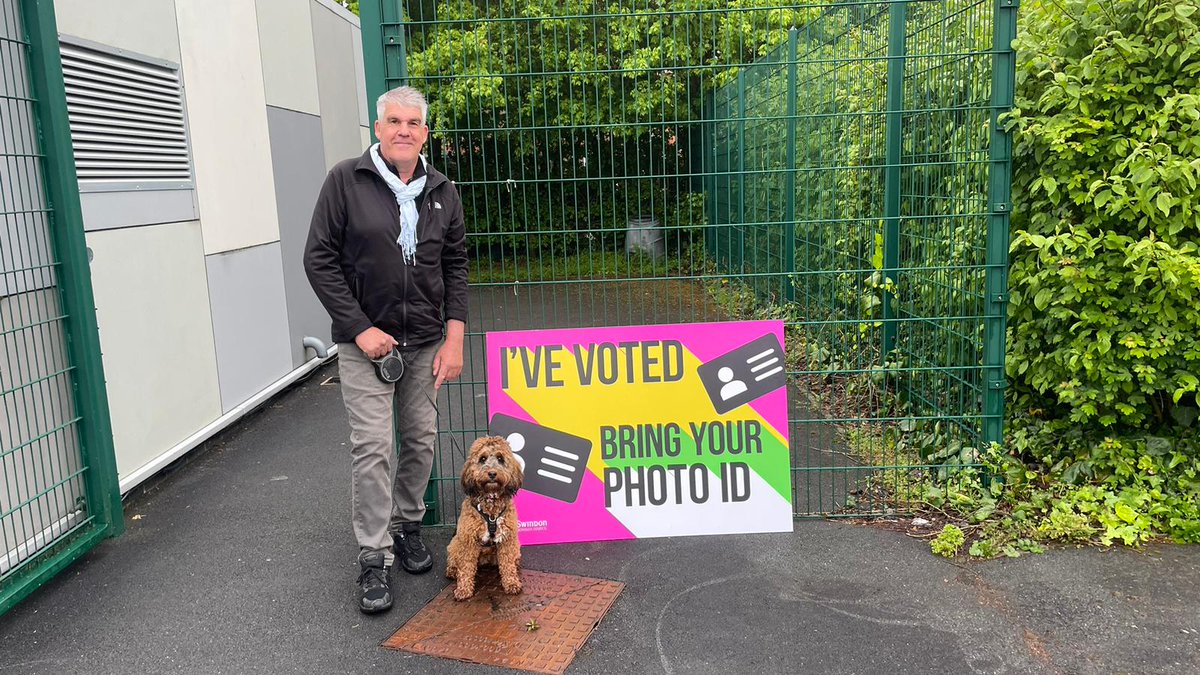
column 744, row 374
column 554, row 462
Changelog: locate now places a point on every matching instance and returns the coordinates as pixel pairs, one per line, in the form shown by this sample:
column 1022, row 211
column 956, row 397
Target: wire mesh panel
column 50, row 506
column 671, row 161
column 891, row 119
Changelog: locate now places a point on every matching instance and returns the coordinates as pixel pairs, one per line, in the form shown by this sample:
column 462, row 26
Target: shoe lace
column 412, row 541
column 372, row 577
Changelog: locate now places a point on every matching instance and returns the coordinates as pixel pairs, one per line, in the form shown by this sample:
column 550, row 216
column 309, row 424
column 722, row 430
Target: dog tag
column 553, row 461
column 744, row 374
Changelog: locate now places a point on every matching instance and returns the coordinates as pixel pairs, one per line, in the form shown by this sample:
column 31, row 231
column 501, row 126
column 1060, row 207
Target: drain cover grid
column 539, row 630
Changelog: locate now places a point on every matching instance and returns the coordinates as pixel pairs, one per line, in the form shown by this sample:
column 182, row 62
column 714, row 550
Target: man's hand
column 448, row 363
column 376, row 343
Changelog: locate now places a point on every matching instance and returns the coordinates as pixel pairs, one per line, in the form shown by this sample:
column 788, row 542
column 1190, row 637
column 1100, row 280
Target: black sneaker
column 410, row 550
column 374, row 586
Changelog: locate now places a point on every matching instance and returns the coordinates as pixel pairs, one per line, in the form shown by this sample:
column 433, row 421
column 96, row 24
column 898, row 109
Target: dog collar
column 492, row 521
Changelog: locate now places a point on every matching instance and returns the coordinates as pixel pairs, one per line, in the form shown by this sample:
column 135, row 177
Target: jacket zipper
column 426, row 206
column 404, row 295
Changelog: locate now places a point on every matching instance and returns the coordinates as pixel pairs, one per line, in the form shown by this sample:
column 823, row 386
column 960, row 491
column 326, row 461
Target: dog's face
column 491, row 469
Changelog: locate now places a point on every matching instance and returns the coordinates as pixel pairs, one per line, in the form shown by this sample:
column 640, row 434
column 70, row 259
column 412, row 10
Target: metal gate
column 836, row 165
column 58, row 484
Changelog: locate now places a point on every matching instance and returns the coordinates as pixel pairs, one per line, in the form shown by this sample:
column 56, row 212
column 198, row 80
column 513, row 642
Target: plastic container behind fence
column 643, row 234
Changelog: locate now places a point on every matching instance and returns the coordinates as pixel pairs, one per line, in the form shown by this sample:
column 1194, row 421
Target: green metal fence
column 58, row 484
column 836, row 165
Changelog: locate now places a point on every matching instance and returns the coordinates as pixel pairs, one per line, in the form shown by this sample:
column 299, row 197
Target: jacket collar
column 435, row 177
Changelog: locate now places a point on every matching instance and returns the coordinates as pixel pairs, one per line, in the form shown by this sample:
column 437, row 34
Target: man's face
column 401, row 134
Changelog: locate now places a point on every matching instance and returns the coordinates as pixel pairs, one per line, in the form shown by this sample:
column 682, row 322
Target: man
column 386, row 255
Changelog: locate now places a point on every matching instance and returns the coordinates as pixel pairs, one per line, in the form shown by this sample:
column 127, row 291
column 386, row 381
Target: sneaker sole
column 379, row 610
column 422, row 569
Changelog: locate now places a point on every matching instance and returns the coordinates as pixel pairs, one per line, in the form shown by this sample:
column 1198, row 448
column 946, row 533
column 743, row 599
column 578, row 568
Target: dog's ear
column 469, row 485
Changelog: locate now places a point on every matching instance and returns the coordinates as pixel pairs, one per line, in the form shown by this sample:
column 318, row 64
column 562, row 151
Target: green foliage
column 599, row 264
column 1104, row 339
column 948, row 541
column 1105, row 280
column 564, row 125
column 1130, row 493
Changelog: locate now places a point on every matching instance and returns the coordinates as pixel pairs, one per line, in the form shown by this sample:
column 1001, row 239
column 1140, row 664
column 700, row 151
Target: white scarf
column 405, row 198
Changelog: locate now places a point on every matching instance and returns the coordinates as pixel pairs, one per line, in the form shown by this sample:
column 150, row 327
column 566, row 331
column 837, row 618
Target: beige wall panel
column 156, row 335
column 143, row 26
column 227, row 114
column 288, row 57
column 336, row 84
column 367, row 137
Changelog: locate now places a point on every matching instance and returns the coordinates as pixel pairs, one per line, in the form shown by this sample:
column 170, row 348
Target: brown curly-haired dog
column 487, row 521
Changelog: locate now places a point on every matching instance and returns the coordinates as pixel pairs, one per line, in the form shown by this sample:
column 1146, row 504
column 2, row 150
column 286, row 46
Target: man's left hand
column 448, row 363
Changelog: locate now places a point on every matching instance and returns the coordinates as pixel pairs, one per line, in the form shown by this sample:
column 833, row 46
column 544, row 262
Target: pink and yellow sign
column 645, row 431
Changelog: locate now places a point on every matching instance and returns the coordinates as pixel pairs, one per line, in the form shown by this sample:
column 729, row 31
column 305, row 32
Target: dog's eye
column 500, row 460
column 483, row 459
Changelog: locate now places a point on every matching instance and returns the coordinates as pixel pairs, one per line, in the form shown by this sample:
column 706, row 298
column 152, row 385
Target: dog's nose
column 492, row 475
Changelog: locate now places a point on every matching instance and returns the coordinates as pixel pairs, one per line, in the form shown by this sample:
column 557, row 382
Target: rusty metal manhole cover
column 539, row 630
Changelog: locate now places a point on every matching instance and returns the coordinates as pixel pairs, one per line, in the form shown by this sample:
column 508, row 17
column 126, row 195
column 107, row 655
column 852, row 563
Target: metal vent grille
column 127, row 123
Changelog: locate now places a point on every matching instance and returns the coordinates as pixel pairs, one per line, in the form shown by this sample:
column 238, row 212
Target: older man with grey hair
column 386, row 256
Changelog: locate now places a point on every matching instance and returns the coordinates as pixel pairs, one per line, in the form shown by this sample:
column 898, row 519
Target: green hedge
column 1105, row 276
column 1104, row 339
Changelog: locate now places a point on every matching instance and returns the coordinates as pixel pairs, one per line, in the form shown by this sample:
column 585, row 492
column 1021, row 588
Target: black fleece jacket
column 356, row 266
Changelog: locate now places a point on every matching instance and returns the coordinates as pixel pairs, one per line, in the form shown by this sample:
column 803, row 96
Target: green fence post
column 395, row 50
column 1000, row 202
column 789, row 218
column 74, row 277
column 708, row 172
column 741, row 227
column 370, row 18
column 891, row 182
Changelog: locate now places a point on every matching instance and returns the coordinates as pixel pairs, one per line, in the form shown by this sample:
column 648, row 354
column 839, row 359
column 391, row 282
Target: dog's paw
column 451, row 573
column 511, row 586
column 463, row 593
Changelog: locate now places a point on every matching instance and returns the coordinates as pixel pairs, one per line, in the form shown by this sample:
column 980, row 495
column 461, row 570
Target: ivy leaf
column 1125, row 513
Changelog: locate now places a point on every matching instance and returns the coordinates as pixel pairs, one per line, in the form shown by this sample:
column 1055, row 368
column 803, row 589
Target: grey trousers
column 380, row 502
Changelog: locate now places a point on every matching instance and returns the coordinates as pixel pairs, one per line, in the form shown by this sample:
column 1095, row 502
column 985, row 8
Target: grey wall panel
column 336, row 85
column 299, row 162
column 249, row 316
column 107, row 210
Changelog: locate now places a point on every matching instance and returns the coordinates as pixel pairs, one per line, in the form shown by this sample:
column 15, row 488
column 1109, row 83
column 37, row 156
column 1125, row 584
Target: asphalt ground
column 241, row 560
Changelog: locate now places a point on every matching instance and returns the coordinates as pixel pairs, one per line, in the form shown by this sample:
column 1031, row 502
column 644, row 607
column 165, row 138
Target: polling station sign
column 644, row 431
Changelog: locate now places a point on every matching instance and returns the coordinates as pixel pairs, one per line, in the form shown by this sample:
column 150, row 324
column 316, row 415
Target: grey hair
column 405, row 97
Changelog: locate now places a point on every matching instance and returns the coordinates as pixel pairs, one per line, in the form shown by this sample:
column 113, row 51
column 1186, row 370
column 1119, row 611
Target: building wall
column 201, row 296
column 143, row 26
column 156, row 335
